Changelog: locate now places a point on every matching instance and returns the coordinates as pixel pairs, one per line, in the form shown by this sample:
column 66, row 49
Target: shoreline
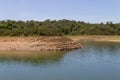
column 51, row 43
column 97, row 38
column 42, row 43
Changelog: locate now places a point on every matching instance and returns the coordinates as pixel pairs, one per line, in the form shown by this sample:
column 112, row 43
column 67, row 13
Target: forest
column 56, row 28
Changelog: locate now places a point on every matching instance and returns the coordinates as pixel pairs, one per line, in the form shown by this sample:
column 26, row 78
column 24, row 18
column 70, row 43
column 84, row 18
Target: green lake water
column 95, row 61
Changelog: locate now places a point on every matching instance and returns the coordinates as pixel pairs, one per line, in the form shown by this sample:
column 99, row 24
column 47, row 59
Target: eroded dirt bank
column 38, row 43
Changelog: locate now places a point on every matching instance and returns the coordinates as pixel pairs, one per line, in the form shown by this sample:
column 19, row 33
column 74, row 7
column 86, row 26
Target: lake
column 96, row 61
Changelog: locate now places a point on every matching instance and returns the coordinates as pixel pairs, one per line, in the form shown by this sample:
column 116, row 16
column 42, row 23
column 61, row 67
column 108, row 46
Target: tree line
column 56, row 28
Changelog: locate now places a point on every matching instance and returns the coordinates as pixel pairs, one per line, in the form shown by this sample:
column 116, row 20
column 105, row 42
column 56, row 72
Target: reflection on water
column 34, row 57
column 96, row 61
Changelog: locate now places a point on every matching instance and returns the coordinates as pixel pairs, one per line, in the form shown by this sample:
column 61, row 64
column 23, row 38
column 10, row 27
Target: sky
column 93, row 11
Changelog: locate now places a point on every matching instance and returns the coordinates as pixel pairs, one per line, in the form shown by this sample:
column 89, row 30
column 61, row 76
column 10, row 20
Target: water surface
column 96, row 61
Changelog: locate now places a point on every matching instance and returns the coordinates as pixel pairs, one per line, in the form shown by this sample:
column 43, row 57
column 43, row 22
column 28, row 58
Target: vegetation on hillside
column 56, row 28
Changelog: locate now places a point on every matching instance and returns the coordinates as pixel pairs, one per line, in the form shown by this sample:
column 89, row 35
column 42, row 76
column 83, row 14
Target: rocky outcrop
column 39, row 43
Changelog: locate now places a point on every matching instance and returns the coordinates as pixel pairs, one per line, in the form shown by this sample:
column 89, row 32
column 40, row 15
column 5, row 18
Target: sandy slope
column 38, row 43
column 101, row 38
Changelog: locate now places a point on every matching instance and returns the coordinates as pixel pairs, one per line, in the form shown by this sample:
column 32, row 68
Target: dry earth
column 38, row 43
column 100, row 38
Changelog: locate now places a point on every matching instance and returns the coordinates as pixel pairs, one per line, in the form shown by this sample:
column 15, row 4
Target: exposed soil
column 38, row 43
column 100, row 38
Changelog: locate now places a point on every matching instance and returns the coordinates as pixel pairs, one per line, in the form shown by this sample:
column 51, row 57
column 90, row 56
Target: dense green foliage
column 54, row 28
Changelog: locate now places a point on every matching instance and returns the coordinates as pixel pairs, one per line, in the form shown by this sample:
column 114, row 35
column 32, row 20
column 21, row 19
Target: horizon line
column 58, row 20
